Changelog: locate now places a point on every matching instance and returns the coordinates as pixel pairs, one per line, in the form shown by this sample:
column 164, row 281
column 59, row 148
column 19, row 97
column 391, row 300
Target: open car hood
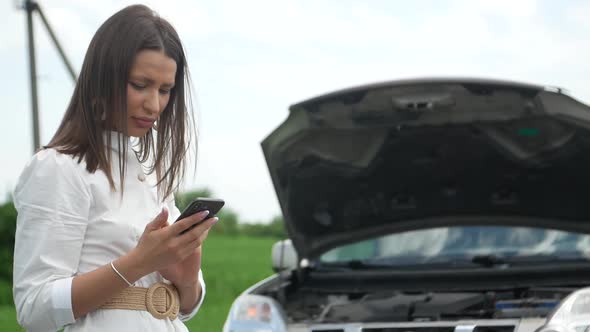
column 414, row 154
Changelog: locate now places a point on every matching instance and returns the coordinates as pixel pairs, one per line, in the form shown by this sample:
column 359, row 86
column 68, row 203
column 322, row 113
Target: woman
column 96, row 247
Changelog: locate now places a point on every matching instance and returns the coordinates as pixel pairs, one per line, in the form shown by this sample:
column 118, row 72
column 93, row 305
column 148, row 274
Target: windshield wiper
column 355, row 264
column 483, row 260
column 416, row 262
column 489, row 260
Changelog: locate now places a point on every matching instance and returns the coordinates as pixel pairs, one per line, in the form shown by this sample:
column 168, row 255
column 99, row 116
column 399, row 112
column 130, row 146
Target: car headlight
column 572, row 314
column 255, row 313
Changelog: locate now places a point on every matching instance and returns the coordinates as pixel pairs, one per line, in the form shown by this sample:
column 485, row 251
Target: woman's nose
column 152, row 102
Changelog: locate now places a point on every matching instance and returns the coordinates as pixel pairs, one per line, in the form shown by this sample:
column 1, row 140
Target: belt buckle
column 172, row 305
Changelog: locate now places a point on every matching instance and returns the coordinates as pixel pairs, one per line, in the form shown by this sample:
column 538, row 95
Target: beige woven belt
column 161, row 300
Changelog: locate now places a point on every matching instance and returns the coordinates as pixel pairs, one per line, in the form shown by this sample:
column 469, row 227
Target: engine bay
column 306, row 306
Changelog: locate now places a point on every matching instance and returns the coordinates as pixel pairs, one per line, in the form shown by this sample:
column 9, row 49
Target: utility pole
column 31, row 6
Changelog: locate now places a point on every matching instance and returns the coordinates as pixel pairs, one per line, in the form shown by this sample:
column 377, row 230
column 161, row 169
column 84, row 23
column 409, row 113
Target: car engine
column 313, row 307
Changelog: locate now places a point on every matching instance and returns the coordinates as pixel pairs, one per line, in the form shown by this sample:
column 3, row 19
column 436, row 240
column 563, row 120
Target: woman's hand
column 185, row 273
column 162, row 247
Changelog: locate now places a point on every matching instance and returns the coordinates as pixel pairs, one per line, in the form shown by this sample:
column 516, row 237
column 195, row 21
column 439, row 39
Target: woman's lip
column 143, row 123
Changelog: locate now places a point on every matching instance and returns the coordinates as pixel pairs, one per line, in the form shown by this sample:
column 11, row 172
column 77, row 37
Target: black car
column 443, row 205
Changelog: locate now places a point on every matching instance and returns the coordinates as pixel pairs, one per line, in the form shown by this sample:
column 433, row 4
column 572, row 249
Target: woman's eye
column 164, row 92
column 137, row 86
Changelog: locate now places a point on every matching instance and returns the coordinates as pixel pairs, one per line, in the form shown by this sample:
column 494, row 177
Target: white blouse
column 69, row 223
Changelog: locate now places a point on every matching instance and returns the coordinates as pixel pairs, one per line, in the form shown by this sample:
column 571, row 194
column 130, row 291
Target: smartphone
column 213, row 205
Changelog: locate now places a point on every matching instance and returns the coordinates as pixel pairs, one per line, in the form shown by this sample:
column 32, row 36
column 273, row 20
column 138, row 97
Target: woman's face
column 148, row 90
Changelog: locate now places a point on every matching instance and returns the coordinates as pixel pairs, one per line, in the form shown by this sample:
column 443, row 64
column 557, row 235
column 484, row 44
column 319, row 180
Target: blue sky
column 251, row 59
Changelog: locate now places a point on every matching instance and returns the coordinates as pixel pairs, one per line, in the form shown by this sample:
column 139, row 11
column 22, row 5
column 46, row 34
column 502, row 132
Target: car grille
column 412, row 329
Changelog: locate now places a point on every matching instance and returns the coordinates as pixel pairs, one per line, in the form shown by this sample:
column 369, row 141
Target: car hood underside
column 419, row 154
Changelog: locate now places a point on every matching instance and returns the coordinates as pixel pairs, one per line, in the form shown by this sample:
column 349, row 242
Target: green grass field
column 230, row 265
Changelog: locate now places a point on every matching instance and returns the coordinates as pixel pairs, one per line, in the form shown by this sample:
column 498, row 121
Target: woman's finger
column 159, row 221
column 184, row 224
column 195, row 239
column 195, row 233
column 194, row 245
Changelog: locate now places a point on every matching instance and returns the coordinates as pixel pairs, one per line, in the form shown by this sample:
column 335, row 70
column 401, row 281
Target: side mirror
column 284, row 256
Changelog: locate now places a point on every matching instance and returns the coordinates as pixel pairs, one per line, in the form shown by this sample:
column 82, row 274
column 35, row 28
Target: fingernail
column 215, row 220
column 204, row 213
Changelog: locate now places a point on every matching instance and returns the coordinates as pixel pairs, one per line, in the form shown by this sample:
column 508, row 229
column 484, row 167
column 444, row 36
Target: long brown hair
column 100, row 97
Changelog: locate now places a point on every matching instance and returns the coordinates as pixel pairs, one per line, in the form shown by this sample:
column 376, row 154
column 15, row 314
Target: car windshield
column 463, row 243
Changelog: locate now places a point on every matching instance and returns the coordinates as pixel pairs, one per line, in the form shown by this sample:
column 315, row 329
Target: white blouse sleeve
column 175, row 213
column 53, row 203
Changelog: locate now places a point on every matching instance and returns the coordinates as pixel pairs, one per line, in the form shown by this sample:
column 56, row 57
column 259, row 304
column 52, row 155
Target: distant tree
column 228, row 223
column 276, row 229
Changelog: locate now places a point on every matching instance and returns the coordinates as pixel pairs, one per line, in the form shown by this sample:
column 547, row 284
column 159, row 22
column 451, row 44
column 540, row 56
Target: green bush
column 7, row 230
column 6, row 293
